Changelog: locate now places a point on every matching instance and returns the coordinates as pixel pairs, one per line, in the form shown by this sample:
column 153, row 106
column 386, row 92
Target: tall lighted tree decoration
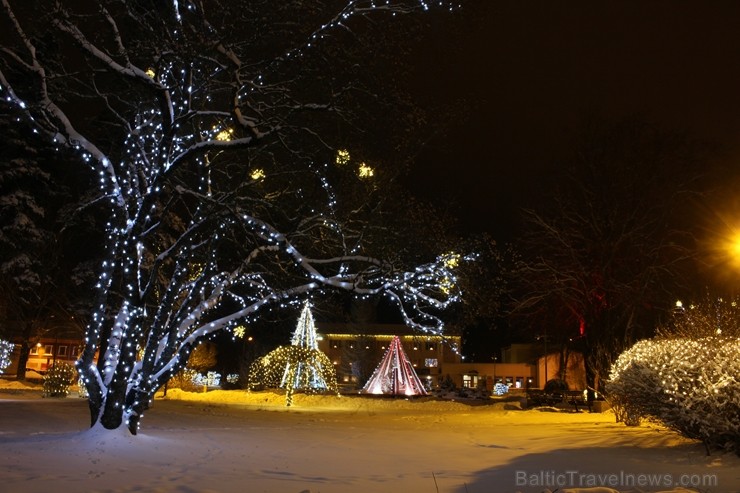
column 199, row 238
column 299, row 366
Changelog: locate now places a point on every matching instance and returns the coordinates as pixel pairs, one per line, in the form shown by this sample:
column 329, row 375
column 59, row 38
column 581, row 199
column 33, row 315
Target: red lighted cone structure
column 395, row 375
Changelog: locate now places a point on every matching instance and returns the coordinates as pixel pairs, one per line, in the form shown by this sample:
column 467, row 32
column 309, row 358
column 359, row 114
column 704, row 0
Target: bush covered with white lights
column 691, row 385
column 58, row 380
column 6, row 348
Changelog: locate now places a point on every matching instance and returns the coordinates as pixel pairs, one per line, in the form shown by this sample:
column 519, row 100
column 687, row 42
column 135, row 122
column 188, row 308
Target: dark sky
column 522, row 76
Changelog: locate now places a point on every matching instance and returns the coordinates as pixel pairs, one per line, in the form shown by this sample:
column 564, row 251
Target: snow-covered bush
column 6, row 348
column 58, row 380
column 690, row 385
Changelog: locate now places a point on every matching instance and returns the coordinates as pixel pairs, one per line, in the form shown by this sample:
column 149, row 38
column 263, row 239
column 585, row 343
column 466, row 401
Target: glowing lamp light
column 257, row 174
column 151, row 73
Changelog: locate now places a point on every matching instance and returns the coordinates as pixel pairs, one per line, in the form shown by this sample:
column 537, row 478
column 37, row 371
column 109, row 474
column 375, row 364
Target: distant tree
column 34, row 281
column 214, row 130
column 707, row 316
column 203, row 357
column 610, row 256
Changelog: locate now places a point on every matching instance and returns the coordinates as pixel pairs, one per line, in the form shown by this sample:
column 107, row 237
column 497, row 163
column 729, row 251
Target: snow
column 234, row 441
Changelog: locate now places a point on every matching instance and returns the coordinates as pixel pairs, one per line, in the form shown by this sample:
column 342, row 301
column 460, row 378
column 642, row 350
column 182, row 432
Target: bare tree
column 609, row 258
column 207, row 125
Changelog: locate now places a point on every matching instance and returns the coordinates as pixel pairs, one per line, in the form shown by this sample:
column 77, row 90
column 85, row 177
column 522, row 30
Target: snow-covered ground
column 249, row 442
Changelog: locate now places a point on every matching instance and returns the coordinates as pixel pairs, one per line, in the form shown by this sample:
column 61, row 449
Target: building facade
column 357, row 349
column 45, row 353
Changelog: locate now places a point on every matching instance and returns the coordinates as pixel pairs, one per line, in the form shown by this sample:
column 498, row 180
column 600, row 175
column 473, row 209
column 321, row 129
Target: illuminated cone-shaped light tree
column 207, row 133
column 303, row 365
column 395, row 375
column 311, row 374
column 305, row 331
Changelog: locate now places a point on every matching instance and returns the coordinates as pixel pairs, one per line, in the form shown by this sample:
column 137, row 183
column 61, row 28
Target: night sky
column 524, row 76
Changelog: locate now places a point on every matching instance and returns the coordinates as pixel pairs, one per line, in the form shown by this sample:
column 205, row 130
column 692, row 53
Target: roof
column 375, row 330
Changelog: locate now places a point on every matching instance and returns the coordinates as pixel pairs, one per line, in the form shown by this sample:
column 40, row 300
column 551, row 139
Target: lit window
column 467, row 381
column 49, row 349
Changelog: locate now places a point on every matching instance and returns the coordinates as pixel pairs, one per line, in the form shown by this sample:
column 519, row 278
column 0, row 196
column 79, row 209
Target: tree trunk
column 591, row 375
column 563, row 363
column 112, row 414
column 20, row 372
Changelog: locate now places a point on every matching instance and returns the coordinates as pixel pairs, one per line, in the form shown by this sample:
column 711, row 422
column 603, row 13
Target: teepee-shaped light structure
column 395, row 374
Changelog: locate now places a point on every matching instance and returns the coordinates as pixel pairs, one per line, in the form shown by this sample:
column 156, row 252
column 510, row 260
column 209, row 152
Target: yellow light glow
column 224, row 135
column 733, row 244
column 446, row 285
column 452, row 260
column 365, row 171
column 258, row 174
column 151, row 73
column 342, row 157
column 197, row 270
column 240, row 331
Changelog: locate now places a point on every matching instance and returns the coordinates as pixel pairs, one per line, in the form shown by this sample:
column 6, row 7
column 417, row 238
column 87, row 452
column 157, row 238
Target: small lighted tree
column 6, row 349
column 294, row 368
column 300, row 366
column 58, row 380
